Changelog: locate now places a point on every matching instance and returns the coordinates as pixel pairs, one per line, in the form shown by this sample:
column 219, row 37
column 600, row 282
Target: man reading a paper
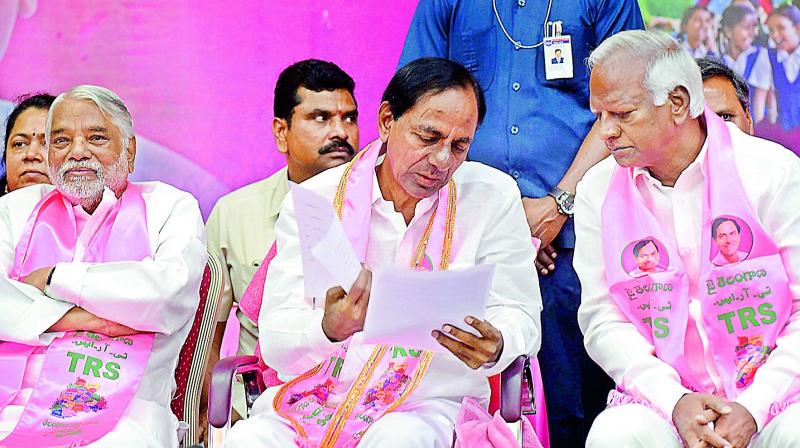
column 420, row 207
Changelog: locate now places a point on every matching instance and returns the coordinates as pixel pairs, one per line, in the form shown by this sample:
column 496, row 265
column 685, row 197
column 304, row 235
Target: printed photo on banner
column 732, row 240
column 645, row 256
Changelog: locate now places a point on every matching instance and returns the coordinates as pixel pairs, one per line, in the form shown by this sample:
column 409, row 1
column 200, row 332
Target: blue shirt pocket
column 476, row 49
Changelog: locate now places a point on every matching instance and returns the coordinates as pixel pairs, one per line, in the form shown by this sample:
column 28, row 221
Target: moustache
column 73, row 164
column 337, row 145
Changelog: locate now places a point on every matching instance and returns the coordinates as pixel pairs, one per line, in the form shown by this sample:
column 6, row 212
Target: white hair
column 668, row 65
column 110, row 105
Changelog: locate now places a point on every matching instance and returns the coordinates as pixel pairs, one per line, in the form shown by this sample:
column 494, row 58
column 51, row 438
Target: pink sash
column 87, row 380
column 745, row 305
column 251, row 305
column 320, row 415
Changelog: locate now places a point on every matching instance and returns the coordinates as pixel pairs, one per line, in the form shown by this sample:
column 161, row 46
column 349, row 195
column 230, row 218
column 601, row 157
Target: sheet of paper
column 328, row 258
column 405, row 306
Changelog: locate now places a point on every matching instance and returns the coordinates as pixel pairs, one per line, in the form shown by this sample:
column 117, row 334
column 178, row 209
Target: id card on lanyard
column 557, row 53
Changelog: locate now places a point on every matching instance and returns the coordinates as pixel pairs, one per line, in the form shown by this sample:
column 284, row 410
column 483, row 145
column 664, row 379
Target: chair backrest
column 193, row 359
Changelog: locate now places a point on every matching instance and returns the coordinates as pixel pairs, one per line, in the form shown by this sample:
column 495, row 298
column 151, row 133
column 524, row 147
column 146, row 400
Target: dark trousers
column 575, row 387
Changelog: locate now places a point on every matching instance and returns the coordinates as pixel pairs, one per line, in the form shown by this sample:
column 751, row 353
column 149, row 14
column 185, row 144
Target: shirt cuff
column 317, row 341
column 753, row 400
column 67, row 282
column 45, row 312
column 513, row 346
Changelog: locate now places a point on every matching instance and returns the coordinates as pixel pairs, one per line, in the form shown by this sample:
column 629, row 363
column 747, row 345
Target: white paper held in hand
column 405, row 306
column 328, row 258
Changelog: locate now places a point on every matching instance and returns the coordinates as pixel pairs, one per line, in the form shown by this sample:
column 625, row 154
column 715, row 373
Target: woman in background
column 738, row 29
column 25, row 158
column 784, row 31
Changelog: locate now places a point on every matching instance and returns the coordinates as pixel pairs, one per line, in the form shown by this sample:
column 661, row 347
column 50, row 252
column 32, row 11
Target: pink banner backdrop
column 198, row 76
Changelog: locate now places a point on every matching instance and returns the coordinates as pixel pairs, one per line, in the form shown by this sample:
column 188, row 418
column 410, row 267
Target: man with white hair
column 702, row 355
column 99, row 284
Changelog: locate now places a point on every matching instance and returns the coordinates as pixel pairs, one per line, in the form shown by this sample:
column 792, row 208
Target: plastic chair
column 193, row 358
column 516, row 391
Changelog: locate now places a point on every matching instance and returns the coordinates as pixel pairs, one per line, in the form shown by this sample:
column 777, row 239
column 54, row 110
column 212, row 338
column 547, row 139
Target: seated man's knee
column 630, row 426
column 400, row 430
column 781, row 431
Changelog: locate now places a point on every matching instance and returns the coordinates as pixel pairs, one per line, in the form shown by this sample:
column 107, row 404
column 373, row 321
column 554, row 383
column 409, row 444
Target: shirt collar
column 743, row 55
column 697, row 167
column 422, row 207
column 108, row 201
column 783, row 55
column 281, row 189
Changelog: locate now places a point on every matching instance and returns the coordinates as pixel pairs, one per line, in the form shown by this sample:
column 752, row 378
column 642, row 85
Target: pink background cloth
column 199, row 77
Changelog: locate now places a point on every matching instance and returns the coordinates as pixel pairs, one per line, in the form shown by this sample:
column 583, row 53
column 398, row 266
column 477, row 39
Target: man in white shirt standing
column 421, row 206
column 698, row 343
column 90, row 263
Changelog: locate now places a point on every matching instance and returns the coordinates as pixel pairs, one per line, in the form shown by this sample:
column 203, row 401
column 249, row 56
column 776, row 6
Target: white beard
column 89, row 192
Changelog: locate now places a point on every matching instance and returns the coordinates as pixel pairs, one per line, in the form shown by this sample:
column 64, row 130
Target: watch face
column 565, row 202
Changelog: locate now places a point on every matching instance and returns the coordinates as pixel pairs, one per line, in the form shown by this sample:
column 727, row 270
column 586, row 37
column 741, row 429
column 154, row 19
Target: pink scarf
column 87, row 379
column 745, row 304
column 319, row 416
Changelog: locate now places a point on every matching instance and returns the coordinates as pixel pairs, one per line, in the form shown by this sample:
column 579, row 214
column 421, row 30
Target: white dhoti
column 637, row 426
column 145, row 424
column 423, row 424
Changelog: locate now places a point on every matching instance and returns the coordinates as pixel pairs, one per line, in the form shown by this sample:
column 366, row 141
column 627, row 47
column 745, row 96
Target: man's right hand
column 345, row 313
column 690, row 411
column 545, row 223
column 78, row 319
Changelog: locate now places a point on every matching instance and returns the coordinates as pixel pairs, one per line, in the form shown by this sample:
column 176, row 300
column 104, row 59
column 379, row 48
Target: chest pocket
column 244, row 275
column 581, row 39
column 474, row 45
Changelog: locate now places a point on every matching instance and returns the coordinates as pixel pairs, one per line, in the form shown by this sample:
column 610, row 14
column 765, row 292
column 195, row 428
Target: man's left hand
column 545, row 223
column 474, row 351
column 737, row 427
column 38, row 278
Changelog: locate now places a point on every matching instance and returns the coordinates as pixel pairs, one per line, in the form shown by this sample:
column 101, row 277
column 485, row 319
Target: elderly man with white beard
column 99, row 284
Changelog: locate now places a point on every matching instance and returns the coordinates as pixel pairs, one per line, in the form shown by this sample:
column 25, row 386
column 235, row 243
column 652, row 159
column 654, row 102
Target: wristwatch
column 564, row 200
column 47, row 282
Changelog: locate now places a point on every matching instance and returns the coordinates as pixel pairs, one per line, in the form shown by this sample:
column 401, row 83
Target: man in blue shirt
column 533, row 131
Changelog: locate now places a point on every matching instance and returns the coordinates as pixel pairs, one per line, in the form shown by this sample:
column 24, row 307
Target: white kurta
column 490, row 229
column 159, row 295
column 769, row 174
